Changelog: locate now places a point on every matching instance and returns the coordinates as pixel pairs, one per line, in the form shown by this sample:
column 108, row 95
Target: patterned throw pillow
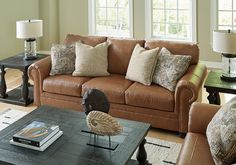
column 170, row 68
column 221, row 134
column 142, row 65
column 91, row 61
column 63, row 59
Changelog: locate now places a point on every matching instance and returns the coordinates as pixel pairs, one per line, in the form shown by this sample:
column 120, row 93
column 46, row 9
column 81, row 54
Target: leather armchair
column 195, row 149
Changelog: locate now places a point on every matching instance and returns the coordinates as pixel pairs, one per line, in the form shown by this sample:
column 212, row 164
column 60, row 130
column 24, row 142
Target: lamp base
column 30, row 49
column 228, row 79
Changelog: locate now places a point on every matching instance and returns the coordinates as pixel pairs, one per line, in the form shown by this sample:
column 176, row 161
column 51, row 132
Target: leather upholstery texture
column 88, row 40
column 64, row 84
column 119, row 54
column 130, row 100
column 113, row 86
column 153, row 96
column 177, row 48
column 195, row 149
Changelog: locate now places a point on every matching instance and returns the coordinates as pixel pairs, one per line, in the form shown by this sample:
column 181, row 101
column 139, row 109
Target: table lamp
column 29, row 30
column 224, row 42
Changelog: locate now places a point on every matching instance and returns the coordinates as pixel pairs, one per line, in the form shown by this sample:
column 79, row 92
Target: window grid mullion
column 165, row 18
column 178, row 24
column 117, row 17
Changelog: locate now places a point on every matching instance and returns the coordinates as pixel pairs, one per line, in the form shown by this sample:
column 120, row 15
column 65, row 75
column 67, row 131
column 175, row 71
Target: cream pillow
column 142, row 65
column 91, row 61
column 221, row 134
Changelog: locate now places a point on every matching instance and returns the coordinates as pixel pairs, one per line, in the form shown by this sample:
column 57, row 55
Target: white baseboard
column 212, row 65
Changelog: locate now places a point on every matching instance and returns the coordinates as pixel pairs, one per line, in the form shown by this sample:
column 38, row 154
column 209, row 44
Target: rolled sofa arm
column 38, row 72
column 188, row 90
column 200, row 115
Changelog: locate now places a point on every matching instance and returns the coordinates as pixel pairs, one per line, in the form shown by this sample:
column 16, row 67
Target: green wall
column 10, row 12
column 71, row 16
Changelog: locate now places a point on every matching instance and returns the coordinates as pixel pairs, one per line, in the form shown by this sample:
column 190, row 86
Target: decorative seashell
column 103, row 124
column 95, row 99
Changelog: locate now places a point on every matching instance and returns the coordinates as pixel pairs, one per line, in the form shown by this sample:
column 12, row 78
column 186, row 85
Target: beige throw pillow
column 142, row 65
column 221, row 134
column 91, row 61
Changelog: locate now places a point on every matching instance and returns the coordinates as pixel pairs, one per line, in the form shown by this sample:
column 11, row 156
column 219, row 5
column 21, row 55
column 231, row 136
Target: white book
column 41, row 148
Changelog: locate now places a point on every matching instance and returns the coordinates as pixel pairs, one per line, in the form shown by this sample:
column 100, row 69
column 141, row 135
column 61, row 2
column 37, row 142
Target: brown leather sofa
column 130, row 100
column 195, row 149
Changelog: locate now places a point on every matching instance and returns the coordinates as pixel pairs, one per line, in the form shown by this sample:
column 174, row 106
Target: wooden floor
column 13, row 79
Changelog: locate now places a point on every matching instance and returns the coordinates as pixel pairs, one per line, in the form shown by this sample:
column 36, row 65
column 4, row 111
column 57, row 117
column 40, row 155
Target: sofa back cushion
column 180, row 48
column 88, row 40
column 119, row 54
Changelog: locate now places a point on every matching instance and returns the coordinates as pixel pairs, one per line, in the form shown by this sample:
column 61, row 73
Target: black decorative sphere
column 95, row 99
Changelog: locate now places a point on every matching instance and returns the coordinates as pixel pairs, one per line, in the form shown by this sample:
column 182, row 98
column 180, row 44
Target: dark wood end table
column 214, row 85
column 21, row 95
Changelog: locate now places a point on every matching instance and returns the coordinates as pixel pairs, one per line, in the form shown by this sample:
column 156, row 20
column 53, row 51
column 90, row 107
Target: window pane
column 225, row 4
column 234, row 19
column 225, row 18
column 101, row 14
column 158, row 29
column 158, row 4
column 171, row 16
column 184, row 4
column 173, row 20
column 100, row 27
column 184, row 17
column 123, row 19
column 171, row 4
column 184, row 31
column 224, row 27
column 101, row 3
column 112, row 3
column 234, row 7
column 111, row 27
column 172, row 30
column 158, row 16
column 123, row 3
column 111, row 14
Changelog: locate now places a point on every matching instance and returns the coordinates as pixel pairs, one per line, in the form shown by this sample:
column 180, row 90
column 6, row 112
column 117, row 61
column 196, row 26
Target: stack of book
column 37, row 135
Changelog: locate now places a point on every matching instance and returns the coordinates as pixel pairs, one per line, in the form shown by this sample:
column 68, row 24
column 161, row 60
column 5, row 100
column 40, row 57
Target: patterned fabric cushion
column 170, row 68
column 221, row 134
column 142, row 65
column 63, row 59
column 91, row 61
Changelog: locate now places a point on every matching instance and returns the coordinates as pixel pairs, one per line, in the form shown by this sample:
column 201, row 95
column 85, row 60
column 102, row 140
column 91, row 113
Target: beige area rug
column 9, row 116
column 161, row 152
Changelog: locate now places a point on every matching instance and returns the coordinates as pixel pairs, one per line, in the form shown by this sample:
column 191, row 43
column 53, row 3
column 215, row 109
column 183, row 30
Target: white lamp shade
column 29, row 29
column 224, row 41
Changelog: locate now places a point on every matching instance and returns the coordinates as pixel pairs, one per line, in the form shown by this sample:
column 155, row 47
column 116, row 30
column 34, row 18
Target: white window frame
column 215, row 15
column 149, row 21
column 92, row 19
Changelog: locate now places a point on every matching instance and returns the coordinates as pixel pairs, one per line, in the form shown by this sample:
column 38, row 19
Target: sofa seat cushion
column 114, row 87
column 153, row 96
column 195, row 151
column 64, row 84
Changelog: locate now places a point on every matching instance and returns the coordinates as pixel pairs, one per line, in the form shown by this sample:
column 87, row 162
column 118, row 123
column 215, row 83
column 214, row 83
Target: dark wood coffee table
column 214, row 85
column 71, row 148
